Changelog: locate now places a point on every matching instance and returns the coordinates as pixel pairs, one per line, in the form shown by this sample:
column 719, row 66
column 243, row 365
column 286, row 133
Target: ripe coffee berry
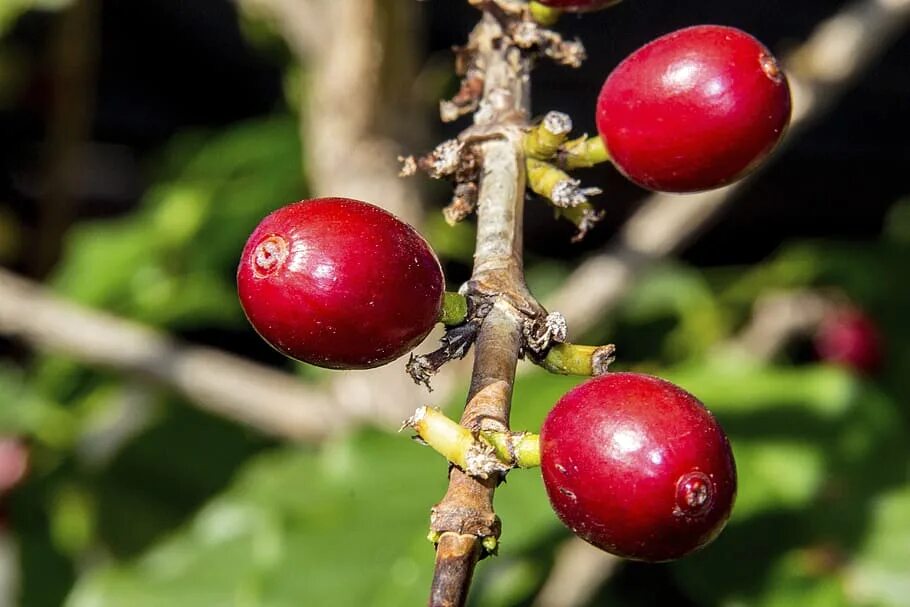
column 13, row 462
column 851, row 339
column 578, row 6
column 693, row 110
column 637, row 467
column 339, row 283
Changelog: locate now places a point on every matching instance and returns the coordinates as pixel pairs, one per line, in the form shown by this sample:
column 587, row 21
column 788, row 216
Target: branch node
column 454, row 344
column 541, row 334
column 464, row 201
column 444, row 160
column 481, row 461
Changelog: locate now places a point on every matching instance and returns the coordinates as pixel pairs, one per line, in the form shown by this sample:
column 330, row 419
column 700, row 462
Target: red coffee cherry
column 578, row 6
column 851, row 339
column 637, row 467
column 339, row 283
column 13, row 462
column 693, row 110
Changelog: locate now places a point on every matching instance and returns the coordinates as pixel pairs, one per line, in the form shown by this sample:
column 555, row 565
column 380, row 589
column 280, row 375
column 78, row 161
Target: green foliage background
column 192, row 510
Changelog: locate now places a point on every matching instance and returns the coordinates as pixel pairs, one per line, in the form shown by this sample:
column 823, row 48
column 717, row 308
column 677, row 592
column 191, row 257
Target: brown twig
column 464, row 521
column 360, row 57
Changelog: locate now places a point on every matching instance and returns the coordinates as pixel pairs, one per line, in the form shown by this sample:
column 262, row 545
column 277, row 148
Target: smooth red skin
column 613, row 451
column 851, row 339
column 358, row 289
column 693, row 110
column 578, row 6
column 13, row 463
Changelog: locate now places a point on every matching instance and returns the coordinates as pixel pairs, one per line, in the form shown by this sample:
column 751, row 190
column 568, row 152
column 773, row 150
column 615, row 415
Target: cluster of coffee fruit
column 631, row 463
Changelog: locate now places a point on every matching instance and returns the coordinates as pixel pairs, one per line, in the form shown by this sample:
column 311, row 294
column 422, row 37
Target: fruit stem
column 517, row 449
column 574, row 359
column 544, row 15
column 480, row 454
column 543, row 140
column 582, row 153
column 444, row 435
column 544, row 178
column 565, row 194
column 454, row 309
column 556, row 185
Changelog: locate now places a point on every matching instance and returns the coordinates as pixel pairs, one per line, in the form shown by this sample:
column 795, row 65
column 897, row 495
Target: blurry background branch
column 361, row 58
column 273, row 402
column 819, row 71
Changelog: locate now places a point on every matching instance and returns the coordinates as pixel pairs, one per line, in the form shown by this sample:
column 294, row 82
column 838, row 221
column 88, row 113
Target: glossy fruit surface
column 851, row 339
column 339, row 283
column 578, row 5
column 637, row 467
column 693, row 110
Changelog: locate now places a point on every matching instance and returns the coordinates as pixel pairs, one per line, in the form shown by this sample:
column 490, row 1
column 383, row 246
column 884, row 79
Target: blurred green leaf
column 173, row 262
column 24, row 412
column 344, row 525
column 878, row 575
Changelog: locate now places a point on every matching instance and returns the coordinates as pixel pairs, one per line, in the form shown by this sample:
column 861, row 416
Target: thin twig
column 359, row 78
column 464, row 521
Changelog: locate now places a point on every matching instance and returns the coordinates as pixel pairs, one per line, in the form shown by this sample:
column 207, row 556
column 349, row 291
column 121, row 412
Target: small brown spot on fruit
column 269, row 255
column 770, row 67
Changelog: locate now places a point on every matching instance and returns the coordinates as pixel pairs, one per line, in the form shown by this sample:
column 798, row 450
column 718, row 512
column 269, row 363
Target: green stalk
column 583, row 152
column 454, row 309
column 573, row 359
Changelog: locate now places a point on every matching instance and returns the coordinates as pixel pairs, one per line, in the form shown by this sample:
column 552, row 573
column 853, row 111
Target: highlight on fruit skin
column 637, row 467
column 339, row 283
column 693, row 110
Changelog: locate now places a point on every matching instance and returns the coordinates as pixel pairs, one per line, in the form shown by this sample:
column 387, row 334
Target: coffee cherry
column 13, row 462
column 637, row 467
column 578, row 6
column 851, row 339
column 339, row 283
column 693, row 110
